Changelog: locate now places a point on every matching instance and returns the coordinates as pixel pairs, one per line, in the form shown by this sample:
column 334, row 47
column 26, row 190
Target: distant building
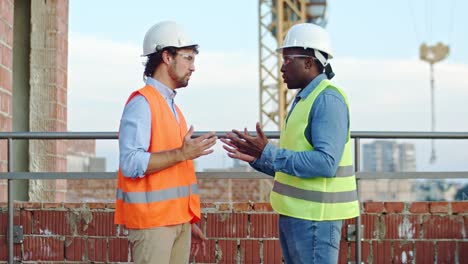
column 388, row 156
column 81, row 157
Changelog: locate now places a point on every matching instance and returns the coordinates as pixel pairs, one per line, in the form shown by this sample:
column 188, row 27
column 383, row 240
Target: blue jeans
column 304, row 241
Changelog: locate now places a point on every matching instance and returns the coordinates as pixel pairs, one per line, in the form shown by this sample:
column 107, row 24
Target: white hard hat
column 165, row 34
column 308, row 35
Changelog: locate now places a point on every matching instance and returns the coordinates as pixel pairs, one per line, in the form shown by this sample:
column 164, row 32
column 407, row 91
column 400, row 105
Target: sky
column 376, row 61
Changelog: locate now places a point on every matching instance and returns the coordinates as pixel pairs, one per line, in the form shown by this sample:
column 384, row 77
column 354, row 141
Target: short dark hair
column 154, row 59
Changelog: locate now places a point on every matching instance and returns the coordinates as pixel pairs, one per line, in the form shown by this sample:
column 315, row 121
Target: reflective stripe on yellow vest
column 316, row 198
column 167, row 197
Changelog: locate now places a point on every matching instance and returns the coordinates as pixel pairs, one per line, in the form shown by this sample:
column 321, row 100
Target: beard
column 181, row 80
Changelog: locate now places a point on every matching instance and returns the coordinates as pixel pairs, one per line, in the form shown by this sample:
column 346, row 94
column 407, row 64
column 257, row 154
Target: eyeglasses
column 289, row 58
column 189, row 57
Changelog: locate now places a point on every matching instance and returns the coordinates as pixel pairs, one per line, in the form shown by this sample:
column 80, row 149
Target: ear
column 309, row 63
column 166, row 57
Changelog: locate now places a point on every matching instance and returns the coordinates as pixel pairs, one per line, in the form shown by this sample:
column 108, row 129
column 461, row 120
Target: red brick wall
column 6, row 64
column 419, row 232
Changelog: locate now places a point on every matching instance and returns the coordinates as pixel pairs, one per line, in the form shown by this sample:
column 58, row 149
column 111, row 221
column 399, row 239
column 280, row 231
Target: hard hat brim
column 280, row 50
column 181, row 47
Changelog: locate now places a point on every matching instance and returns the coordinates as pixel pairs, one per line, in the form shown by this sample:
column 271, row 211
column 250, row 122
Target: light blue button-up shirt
column 135, row 130
column 327, row 132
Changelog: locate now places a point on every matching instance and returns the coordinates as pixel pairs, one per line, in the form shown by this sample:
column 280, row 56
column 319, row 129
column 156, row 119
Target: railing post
column 10, row 202
column 357, row 164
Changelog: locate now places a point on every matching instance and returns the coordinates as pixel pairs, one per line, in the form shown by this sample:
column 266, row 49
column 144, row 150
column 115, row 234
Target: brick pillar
column 6, row 64
column 48, row 95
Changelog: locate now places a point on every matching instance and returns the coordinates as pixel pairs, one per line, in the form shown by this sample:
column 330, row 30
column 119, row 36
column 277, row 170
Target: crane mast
column 276, row 17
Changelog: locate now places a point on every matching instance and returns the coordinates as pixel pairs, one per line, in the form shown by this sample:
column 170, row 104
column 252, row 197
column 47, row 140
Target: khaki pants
column 161, row 245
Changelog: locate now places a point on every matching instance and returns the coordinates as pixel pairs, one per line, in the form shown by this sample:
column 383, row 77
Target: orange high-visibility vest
column 167, row 197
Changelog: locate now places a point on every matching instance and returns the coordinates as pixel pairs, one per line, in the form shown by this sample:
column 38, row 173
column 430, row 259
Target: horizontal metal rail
column 361, row 175
column 222, row 134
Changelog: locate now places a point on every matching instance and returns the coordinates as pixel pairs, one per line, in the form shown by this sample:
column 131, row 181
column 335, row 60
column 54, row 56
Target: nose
column 283, row 68
column 192, row 67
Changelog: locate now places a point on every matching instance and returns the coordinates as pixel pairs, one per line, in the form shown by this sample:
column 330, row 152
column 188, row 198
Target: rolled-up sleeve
column 134, row 138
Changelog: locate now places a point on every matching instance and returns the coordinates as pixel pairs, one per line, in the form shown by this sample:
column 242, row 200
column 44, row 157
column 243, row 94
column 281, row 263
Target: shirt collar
column 311, row 86
column 166, row 92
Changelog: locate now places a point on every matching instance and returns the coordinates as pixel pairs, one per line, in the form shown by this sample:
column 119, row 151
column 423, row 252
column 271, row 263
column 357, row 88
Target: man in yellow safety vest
column 315, row 187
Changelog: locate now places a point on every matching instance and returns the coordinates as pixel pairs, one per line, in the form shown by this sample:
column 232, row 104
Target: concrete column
column 48, row 94
column 21, row 40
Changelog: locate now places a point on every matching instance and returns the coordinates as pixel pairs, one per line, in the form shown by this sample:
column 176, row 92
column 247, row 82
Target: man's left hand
column 246, row 144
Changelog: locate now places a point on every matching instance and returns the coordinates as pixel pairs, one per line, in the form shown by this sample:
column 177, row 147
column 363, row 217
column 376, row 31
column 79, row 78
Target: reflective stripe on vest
column 345, row 171
column 316, row 197
column 156, row 196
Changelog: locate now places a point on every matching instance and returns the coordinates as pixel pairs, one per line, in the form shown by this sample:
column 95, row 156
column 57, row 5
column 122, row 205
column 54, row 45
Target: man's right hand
column 193, row 148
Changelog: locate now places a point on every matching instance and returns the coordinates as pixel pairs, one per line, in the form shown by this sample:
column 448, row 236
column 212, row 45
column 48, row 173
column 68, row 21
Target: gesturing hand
column 193, row 148
column 243, row 146
column 234, row 153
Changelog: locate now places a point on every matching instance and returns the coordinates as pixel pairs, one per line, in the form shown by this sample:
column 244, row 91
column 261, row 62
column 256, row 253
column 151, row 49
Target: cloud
column 385, row 94
column 103, row 73
column 395, row 94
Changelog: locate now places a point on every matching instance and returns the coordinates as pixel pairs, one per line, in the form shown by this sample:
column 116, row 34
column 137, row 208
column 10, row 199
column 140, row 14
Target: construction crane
column 275, row 18
column 432, row 55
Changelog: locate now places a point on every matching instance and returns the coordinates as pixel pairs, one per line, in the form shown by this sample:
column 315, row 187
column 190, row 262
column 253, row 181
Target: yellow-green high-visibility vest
column 316, row 198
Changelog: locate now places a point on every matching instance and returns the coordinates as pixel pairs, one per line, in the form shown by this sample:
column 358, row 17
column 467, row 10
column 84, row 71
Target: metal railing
column 357, row 136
